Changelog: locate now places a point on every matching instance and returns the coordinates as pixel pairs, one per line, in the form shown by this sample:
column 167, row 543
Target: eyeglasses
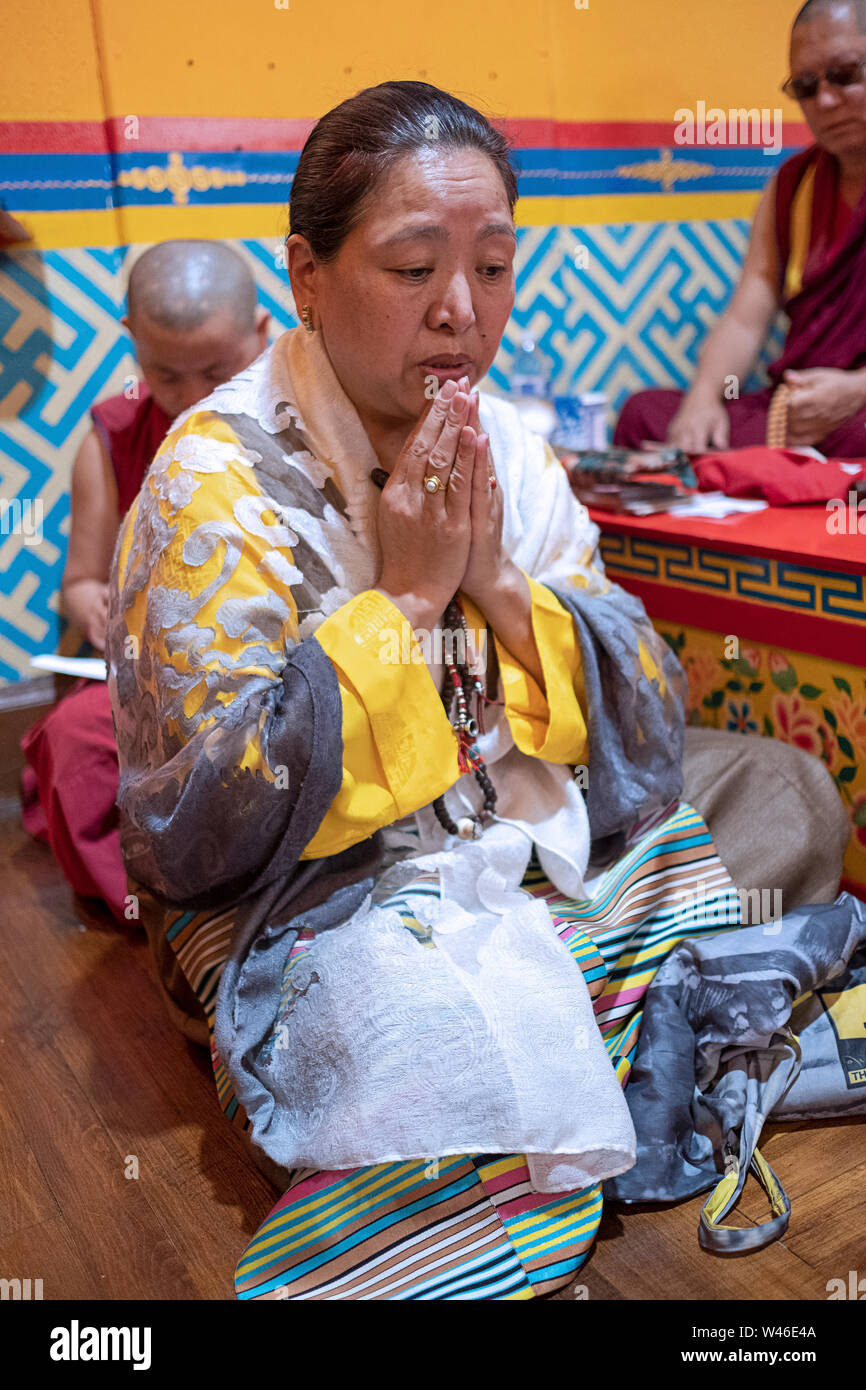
column 804, row 87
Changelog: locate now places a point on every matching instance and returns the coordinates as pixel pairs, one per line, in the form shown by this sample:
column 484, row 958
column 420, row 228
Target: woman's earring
column 307, row 318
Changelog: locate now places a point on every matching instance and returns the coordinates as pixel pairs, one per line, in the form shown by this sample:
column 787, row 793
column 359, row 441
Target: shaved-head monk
column 193, row 317
column 194, row 320
column 807, row 255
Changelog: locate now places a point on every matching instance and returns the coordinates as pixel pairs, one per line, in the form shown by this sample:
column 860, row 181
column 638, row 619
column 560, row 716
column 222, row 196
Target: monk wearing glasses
column 807, row 255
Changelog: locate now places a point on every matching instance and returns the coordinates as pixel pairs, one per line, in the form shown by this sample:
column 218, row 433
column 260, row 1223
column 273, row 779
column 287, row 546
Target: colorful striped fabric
column 471, row 1227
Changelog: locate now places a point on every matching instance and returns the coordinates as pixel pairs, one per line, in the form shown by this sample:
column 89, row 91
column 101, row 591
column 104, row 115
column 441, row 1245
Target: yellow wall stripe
column 130, row 225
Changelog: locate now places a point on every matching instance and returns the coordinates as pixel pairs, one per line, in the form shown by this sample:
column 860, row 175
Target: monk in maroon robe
column 195, row 323
column 807, row 255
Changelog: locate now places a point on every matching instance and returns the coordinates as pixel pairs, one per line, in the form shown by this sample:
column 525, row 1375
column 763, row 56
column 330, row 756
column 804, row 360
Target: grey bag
column 754, row 1022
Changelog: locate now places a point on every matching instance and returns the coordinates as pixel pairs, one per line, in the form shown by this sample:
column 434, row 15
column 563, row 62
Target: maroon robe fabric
column 70, row 780
column 131, row 432
column 69, row 789
column 827, row 316
column 647, row 416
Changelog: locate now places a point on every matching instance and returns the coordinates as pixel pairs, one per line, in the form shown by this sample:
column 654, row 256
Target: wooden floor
column 93, row 1074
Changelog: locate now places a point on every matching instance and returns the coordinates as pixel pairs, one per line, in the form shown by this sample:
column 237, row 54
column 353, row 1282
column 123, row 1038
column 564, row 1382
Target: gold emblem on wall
column 179, row 179
column 666, row 170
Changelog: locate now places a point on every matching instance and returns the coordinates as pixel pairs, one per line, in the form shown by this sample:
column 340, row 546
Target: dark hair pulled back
column 354, row 146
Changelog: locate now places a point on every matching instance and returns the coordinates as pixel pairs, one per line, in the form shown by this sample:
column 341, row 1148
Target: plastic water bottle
column 529, row 375
column 530, row 384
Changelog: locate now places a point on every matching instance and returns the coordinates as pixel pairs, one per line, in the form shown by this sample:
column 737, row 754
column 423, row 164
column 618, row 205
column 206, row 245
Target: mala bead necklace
column 459, row 687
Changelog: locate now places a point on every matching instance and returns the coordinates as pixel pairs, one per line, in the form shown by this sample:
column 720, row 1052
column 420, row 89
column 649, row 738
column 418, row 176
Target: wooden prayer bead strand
column 777, row 418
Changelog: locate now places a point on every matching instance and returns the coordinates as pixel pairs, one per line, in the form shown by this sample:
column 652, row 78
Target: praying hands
column 435, row 543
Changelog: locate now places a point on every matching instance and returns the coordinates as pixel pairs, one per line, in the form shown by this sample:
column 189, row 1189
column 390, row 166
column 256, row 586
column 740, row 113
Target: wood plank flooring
column 96, row 1082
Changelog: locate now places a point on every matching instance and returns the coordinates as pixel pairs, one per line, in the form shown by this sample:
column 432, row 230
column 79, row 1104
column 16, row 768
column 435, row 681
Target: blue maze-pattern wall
column 613, row 309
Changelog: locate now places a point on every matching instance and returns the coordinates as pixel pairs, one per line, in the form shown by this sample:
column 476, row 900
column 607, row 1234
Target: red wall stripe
column 255, row 133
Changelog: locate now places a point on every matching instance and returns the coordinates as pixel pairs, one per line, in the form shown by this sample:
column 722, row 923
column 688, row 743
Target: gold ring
column 433, row 483
column 492, row 481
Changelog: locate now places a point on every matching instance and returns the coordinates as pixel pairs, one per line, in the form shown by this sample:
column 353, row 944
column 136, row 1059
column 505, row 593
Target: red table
column 767, row 613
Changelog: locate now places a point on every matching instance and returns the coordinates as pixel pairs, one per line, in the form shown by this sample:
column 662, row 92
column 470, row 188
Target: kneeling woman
column 360, row 642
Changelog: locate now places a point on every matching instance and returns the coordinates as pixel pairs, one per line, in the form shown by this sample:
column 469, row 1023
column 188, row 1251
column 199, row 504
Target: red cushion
column 780, row 475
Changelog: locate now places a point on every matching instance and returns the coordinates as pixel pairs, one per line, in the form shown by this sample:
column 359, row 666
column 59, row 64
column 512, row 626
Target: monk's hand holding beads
column 821, row 399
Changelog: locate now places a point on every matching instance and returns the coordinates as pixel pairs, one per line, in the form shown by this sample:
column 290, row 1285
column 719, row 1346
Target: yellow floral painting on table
column 812, row 702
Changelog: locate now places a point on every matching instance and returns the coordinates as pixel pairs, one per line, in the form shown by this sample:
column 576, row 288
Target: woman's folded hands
column 436, row 539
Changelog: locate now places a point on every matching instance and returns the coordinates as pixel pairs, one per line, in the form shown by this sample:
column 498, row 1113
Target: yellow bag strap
column 715, row 1236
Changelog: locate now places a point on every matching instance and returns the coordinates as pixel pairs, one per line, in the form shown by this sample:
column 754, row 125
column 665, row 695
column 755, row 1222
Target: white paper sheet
column 91, row 666
column 716, row 505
